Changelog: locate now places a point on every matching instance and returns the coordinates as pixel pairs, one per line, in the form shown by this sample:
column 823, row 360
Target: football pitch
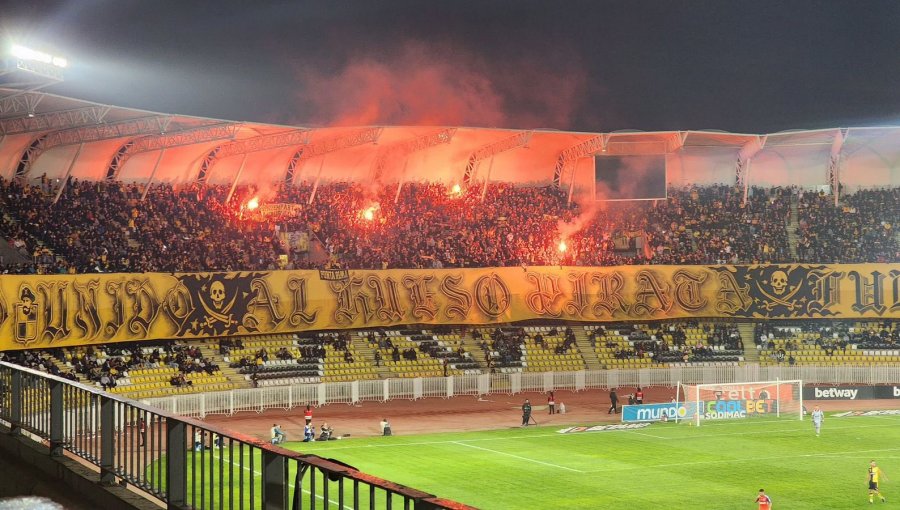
column 720, row 465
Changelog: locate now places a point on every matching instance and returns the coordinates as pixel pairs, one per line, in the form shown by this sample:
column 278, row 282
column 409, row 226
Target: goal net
column 738, row 401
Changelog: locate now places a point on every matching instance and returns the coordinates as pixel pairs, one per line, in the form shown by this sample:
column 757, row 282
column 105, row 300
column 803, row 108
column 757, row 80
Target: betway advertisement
column 850, row 392
column 710, row 410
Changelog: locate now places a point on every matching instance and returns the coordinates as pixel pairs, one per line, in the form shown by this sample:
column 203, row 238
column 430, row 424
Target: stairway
column 63, row 368
column 793, row 226
column 210, row 351
column 366, row 353
column 591, row 361
column 478, row 354
column 751, row 353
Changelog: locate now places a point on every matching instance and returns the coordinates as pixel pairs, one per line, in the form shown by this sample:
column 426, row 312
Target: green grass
column 720, row 465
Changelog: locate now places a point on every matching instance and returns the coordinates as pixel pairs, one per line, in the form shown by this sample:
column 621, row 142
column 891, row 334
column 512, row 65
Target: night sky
column 742, row 66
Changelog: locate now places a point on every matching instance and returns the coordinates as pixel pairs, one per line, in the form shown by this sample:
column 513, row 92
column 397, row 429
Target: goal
column 737, row 401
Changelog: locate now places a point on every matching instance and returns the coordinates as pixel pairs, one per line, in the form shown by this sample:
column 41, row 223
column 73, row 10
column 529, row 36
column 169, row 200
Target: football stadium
column 201, row 313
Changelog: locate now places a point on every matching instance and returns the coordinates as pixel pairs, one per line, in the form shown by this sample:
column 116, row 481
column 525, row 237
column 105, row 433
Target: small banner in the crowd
column 280, row 210
column 295, row 241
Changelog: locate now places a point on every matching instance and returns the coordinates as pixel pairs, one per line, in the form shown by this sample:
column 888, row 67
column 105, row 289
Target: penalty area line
column 646, row 434
column 518, row 457
column 735, row 461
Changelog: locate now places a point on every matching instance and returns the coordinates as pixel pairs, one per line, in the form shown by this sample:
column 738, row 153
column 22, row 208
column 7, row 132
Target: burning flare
column 368, row 214
column 253, row 203
column 563, row 247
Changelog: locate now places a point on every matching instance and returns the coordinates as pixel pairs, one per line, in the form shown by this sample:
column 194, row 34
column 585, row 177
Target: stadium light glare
column 24, row 53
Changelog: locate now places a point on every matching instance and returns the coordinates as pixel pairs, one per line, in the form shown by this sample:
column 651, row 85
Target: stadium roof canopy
column 58, row 136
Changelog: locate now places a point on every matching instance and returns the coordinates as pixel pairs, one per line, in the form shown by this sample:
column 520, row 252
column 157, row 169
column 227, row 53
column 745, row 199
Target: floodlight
column 24, row 53
column 30, row 54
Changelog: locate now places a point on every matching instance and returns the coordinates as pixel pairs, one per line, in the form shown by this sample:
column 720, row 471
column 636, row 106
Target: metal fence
column 189, row 464
column 288, row 397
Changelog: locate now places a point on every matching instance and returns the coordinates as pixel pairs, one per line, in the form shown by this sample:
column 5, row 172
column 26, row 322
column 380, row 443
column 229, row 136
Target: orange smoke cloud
column 434, row 86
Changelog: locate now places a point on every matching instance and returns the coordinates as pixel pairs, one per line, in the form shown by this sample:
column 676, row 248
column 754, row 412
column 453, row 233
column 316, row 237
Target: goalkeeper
column 818, row 417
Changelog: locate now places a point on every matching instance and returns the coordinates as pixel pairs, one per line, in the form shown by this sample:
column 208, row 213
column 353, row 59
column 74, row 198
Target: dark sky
column 743, row 66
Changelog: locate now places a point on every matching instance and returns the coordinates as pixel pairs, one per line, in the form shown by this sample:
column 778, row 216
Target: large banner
column 57, row 310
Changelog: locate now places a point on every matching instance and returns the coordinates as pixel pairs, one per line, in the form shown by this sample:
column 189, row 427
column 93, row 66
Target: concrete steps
column 478, row 354
column 63, row 368
column 366, row 353
column 751, row 353
column 591, row 361
column 793, row 226
column 211, row 351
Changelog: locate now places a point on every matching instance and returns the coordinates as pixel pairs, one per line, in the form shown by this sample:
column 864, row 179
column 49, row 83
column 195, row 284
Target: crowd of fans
column 36, row 360
column 107, row 227
column 836, row 334
column 861, row 229
column 667, row 343
column 108, row 364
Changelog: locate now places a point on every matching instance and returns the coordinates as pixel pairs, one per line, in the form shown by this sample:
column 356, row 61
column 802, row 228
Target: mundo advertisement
column 64, row 310
column 710, row 410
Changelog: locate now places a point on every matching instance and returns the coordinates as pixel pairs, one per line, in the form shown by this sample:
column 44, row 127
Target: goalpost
column 734, row 401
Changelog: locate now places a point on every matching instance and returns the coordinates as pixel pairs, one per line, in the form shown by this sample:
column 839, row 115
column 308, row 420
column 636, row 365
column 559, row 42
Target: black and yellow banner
column 49, row 311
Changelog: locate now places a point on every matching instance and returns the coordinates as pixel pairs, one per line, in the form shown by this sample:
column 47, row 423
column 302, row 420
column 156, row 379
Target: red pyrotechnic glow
column 253, row 203
column 368, row 213
column 563, row 247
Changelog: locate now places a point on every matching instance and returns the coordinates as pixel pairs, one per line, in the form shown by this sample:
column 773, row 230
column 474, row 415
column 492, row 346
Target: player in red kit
column 765, row 502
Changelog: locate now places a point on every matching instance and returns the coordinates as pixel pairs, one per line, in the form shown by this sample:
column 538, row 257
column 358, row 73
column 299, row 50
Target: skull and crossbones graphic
column 218, row 311
column 781, row 291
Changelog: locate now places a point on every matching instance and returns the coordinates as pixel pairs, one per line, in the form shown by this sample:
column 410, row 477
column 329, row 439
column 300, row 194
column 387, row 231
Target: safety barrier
column 288, row 397
column 185, row 463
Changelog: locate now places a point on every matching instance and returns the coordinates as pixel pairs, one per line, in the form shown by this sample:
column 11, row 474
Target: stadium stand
column 426, row 226
column 139, row 370
column 430, row 228
column 644, row 345
column 274, row 359
column 829, row 343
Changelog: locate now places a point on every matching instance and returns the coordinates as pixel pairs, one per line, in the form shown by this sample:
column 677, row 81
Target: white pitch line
column 518, row 457
column 556, row 434
column 646, row 434
column 731, row 461
column 290, row 484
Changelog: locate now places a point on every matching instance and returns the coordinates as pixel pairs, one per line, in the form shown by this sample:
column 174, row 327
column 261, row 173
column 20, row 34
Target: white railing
column 288, row 397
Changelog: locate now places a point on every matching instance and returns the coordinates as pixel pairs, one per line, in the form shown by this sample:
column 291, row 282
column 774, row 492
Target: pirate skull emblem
column 779, row 282
column 217, row 294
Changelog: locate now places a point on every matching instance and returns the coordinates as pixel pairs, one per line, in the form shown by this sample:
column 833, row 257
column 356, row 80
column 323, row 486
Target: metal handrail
column 111, row 432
